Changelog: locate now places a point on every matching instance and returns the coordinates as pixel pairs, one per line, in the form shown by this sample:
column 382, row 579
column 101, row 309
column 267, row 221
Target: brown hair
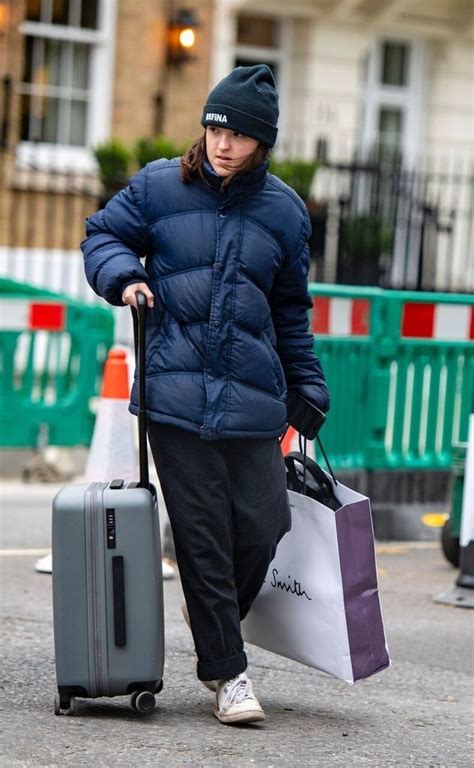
column 192, row 162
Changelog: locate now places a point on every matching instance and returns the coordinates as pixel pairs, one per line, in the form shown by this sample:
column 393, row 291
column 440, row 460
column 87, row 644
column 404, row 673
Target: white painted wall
column 324, row 87
column 324, row 96
column 450, row 101
column 326, row 90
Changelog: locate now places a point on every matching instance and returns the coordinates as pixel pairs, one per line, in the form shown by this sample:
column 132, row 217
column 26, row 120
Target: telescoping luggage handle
column 139, row 317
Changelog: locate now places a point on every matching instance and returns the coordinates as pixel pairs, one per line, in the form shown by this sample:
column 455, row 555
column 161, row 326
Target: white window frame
column 277, row 55
column 226, row 50
column 60, row 157
column 408, row 98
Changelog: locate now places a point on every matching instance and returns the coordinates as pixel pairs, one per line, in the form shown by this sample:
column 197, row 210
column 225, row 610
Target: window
column 255, row 30
column 246, row 39
column 78, row 13
column 390, row 128
column 258, row 42
column 65, row 88
column 395, row 64
column 393, row 101
column 55, row 91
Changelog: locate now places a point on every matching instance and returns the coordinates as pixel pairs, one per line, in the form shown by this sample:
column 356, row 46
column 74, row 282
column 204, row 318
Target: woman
column 225, row 277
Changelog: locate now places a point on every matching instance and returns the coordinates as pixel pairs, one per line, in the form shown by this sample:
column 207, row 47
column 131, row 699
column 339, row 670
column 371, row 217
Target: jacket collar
column 240, row 186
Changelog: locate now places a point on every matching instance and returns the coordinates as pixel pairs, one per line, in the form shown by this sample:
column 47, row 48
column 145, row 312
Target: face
column 227, row 150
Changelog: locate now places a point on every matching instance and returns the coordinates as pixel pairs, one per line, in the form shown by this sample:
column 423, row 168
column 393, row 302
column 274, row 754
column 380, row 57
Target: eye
column 212, row 128
column 238, row 135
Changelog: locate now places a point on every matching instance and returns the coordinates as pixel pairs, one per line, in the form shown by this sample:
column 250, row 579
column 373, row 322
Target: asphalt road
column 417, row 713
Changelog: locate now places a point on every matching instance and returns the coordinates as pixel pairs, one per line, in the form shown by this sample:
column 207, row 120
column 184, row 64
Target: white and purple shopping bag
column 320, row 604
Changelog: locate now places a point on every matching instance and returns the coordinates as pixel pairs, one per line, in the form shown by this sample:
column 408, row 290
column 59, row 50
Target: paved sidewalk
column 418, row 713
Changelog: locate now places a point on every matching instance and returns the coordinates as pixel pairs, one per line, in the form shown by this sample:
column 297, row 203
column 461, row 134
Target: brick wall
column 11, row 62
column 34, row 208
column 139, row 64
column 188, row 83
column 37, row 209
column 142, row 76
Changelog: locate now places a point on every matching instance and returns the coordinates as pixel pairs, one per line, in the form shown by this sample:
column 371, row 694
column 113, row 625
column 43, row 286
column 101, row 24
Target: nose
column 223, row 142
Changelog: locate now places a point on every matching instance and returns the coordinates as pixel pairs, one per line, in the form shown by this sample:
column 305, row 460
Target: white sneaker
column 236, row 702
column 211, row 685
column 44, row 564
column 167, row 569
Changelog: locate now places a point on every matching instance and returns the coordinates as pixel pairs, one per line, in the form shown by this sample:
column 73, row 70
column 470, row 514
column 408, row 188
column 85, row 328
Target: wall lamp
column 182, row 36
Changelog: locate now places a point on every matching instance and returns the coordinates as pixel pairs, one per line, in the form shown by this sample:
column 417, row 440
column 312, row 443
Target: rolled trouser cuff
column 223, row 669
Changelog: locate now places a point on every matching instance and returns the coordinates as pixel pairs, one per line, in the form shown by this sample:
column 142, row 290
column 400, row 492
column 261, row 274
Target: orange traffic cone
column 291, row 443
column 113, row 451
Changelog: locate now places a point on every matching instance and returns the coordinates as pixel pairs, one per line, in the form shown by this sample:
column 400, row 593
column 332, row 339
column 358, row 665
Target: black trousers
column 228, row 508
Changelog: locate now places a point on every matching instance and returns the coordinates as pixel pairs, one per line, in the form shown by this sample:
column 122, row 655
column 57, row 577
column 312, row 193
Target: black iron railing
column 388, row 226
column 373, row 224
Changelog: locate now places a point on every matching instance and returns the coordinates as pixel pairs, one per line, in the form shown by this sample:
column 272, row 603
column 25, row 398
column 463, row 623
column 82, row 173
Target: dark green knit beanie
column 245, row 101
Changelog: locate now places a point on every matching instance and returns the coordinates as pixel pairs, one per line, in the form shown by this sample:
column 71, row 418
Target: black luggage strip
column 118, row 582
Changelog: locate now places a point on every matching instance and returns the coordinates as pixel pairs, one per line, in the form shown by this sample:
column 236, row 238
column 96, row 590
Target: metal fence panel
column 52, row 352
column 385, row 225
column 401, row 381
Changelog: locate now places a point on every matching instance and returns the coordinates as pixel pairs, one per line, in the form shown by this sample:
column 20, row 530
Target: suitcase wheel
column 142, row 702
column 64, row 705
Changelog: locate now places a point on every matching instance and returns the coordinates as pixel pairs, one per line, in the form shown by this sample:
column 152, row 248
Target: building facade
column 356, row 73
column 382, row 92
column 379, row 91
column 75, row 74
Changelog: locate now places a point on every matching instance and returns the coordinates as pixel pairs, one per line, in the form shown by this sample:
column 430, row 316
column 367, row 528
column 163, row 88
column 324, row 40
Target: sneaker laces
column 236, row 689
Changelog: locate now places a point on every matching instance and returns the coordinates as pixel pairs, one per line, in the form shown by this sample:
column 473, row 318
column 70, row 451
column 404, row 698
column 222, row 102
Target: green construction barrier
column 346, row 361
column 400, row 368
column 457, row 490
column 52, row 352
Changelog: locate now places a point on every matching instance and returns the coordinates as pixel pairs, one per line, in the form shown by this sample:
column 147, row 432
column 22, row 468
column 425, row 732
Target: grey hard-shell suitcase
column 107, row 583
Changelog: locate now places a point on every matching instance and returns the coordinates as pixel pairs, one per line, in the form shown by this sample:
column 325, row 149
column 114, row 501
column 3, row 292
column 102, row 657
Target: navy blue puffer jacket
column 228, row 269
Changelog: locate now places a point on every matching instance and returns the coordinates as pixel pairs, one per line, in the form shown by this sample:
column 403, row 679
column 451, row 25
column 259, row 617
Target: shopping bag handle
column 325, row 457
column 303, row 449
column 311, row 466
column 318, row 475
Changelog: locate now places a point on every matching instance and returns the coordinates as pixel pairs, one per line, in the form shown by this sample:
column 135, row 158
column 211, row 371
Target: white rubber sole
column 239, row 718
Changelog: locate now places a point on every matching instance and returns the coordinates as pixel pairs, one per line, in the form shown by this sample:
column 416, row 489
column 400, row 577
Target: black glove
column 305, row 417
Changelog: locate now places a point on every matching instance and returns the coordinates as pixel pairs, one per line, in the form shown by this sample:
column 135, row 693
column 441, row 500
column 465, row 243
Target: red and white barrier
column 340, row 317
column 440, row 322
column 26, row 315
